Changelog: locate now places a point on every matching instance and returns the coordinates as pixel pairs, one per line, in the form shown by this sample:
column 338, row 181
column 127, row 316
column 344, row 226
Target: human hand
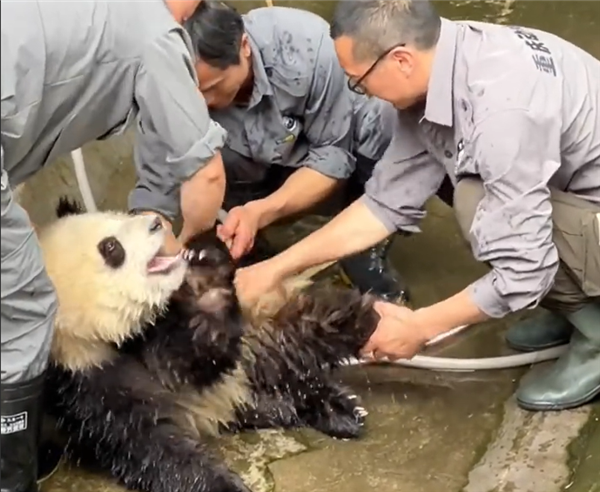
column 257, row 280
column 397, row 336
column 239, row 230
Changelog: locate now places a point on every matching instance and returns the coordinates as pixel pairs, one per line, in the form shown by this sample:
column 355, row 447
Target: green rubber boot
column 574, row 379
column 542, row 332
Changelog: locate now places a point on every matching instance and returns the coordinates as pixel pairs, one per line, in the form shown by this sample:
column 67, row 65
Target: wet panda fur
column 152, row 357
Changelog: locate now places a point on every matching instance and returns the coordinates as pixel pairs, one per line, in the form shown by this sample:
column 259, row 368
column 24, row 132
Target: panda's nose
column 156, row 225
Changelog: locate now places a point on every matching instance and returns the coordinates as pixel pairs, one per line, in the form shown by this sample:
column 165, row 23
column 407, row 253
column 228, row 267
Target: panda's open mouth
column 163, row 264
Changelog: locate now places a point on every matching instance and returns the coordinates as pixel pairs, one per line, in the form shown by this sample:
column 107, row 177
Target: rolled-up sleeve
column 328, row 117
column 517, row 155
column 404, row 179
column 175, row 136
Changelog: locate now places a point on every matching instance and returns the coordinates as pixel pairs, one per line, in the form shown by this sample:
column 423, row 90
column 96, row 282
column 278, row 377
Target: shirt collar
column 439, row 102
column 262, row 86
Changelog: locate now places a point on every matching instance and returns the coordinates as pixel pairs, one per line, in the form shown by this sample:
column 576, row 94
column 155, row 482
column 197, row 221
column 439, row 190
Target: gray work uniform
column 519, row 109
column 301, row 112
column 73, row 72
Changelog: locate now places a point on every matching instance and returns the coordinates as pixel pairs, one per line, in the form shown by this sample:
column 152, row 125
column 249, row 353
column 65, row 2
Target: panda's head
column 110, row 275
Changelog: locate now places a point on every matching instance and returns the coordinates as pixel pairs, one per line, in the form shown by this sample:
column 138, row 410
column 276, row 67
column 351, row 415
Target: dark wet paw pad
column 341, row 417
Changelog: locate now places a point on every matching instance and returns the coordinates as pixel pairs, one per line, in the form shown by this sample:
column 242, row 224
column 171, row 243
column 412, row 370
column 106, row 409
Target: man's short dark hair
column 216, row 30
column 377, row 25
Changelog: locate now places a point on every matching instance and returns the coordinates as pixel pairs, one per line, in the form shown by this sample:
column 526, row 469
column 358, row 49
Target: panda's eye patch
column 112, row 252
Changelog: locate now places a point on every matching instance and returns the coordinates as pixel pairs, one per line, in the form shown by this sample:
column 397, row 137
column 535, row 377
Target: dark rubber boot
column 542, row 332
column 574, row 379
column 371, row 271
column 21, row 414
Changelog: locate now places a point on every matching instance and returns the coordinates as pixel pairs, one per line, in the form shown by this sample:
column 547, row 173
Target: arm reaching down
column 177, row 148
column 404, row 179
column 327, row 127
column 202, row 197
column 301, row 191
column 327, row 121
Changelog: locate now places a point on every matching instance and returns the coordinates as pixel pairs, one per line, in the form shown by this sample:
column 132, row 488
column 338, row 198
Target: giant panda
column 153, row 357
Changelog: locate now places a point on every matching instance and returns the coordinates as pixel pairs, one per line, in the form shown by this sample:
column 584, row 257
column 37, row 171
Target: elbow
column 211, row 175
column 214, row 171
column 528, row 287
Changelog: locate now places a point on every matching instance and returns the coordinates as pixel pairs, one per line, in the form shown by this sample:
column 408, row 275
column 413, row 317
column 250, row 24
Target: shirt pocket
column 285, row 138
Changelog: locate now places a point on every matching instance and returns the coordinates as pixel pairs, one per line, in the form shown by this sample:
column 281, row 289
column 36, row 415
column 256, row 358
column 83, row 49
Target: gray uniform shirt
column 301, row 112
column 73, row 72
column 519, row 108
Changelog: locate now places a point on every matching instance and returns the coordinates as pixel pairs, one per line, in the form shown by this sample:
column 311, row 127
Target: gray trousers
column 28, row 298
column 575, row 234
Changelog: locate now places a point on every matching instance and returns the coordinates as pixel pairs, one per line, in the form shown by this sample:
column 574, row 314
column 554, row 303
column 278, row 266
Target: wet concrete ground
column 426, row 431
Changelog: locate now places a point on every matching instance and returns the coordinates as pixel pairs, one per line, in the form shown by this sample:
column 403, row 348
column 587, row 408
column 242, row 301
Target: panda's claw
column 361, row 412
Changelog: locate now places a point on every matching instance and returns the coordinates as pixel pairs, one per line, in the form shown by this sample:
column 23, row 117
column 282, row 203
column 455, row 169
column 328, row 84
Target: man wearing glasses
column 296, row 132
column 512, row 116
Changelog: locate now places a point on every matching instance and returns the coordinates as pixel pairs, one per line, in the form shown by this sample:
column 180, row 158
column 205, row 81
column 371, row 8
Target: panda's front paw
column 340, row 416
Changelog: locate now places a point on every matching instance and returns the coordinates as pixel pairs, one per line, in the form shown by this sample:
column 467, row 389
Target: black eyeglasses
column 356, row 86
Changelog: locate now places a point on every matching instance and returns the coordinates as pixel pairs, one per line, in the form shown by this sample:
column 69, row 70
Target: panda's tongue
column 160, row 264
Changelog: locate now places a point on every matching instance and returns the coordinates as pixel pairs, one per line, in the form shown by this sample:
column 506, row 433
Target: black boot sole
column 553, row 407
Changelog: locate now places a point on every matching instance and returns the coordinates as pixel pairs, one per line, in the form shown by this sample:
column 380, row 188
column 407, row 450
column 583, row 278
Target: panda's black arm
column 187, row 350
column 120, row 419
column 293, row 354
column 314, row 331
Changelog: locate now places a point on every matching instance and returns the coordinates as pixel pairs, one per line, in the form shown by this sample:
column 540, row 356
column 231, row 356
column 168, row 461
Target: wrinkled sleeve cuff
column 487, row 298
column 142, row 199
column 390, row 219
column 199, row 154
column 331, row 161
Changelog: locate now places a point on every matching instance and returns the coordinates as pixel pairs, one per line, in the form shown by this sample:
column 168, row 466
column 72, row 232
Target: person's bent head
column 224, row 64
column 386, row 47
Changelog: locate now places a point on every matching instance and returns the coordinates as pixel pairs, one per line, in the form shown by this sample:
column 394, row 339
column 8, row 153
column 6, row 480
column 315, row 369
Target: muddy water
column 426, row 431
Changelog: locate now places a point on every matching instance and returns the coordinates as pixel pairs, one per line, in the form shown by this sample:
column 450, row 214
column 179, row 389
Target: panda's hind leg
column 313, row 402
column 330, row 408
column 268, row 412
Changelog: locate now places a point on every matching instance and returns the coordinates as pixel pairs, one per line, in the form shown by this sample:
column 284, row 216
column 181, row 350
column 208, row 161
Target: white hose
column 449, row 364
column 83, row 181
column 419, row 361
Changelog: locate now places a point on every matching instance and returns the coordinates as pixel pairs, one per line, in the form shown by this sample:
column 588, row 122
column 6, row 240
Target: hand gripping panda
column 152, row 356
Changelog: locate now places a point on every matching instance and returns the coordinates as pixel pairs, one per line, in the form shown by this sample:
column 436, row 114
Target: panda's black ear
column 68, row 207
